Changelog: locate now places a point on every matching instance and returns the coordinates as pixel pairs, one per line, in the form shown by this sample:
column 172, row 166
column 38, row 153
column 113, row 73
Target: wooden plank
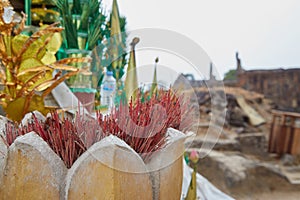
column 288, row 114
column 280, row 136
column 275, row 137
column 280, row 141
column 295, row 147
column 275, row 132
column 272, row 136
column 255, row 118
column 287, row 138
column 284, row 135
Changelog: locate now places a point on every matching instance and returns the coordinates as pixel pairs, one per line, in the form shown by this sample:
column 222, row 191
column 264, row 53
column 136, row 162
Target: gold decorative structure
column 27, row 64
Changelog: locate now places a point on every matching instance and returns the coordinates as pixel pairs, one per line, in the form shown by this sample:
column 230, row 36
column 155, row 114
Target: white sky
column 265, row 32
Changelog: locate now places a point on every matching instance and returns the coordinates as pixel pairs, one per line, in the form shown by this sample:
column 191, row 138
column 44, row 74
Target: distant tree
column 230, row 75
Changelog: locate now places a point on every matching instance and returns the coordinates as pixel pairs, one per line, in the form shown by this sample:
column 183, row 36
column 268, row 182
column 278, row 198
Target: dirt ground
column 272, row 196
column 260, row 183
column 239, row 164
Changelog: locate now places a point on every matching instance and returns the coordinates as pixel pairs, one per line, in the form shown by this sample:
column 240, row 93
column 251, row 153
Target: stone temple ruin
column 256, row 154
column 276, row 84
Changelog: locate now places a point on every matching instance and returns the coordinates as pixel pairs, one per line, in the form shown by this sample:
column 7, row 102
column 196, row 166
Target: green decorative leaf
column 17, row 43
column 48, row 58
column 35, row 50
column 15, row 109
column 29, row 63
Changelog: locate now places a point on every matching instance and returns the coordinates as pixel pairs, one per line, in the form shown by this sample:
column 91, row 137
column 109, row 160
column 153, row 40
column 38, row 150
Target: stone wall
column 281, row 86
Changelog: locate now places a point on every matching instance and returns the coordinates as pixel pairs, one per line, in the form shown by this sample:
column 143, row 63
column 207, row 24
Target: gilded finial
column 134, row 42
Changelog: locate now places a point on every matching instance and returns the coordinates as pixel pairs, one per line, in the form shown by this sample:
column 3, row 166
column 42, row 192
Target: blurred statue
column 238, row 63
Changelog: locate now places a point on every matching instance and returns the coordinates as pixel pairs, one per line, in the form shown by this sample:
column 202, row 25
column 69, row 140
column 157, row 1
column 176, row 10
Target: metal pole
column 28, row 12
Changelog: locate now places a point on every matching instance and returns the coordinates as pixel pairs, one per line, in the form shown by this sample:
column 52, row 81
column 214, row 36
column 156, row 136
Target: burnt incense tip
column 156, row 60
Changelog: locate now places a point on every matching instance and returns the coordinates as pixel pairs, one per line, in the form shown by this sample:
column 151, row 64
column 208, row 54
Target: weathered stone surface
column 110, row 169
column 276, row 85
column 29, row 117
column 3, row 154
column 237, row 117
column 253, row 143
column 166, row 168
column 33, row 170
column 235, row 174
column 232, row 168
column 288, row 160
column 220, row 145
column 3, row 121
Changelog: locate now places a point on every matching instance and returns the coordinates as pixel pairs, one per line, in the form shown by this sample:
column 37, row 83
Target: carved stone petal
column 3, row 156
column 33, row 170
column 166, row 167
column 107, row 171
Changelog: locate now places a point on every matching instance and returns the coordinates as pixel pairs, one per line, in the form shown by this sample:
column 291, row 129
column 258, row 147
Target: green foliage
column 86, row 21
column 83, row 21
column 105, row 55
column 230, row 75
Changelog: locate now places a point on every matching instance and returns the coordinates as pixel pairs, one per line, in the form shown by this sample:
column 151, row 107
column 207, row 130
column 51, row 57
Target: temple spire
column 154, row 82
column 211, row 76
column 131, row 82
